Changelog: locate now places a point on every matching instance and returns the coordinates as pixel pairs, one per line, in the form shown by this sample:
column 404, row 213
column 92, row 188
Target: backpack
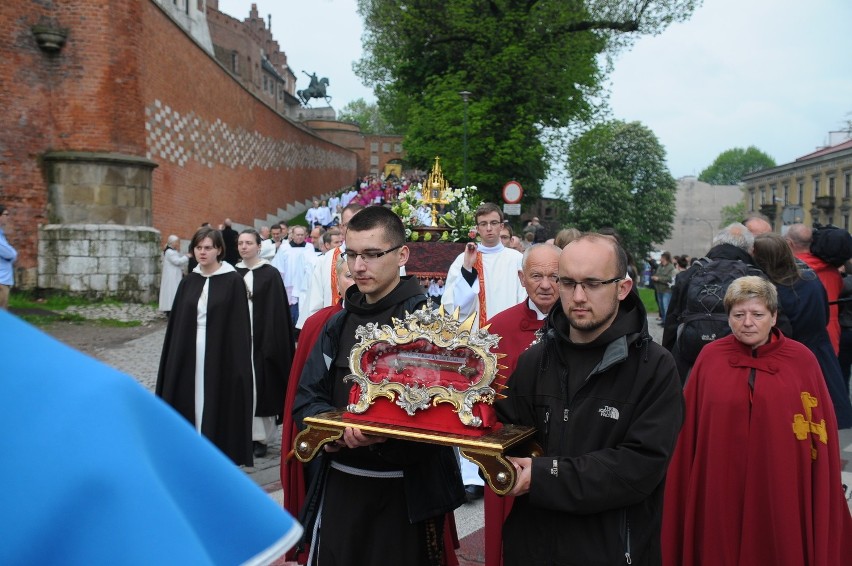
column 704, row 319
column 831, row 244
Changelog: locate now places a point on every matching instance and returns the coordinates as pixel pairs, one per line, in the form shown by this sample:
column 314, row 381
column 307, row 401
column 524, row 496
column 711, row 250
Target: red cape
column 291, row 469
column 517, row 327
column 741, row 487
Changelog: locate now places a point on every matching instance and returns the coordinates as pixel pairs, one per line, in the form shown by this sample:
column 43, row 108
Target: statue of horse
column 316, row 89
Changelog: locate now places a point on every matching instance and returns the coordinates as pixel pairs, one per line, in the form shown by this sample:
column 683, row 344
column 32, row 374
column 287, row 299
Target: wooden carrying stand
column 487, row 451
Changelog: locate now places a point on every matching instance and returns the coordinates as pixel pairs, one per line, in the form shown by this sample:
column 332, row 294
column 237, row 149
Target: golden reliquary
column 430, row 371
column 429, row 377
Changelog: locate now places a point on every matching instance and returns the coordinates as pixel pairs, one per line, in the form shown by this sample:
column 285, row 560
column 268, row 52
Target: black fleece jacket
column 607, row 414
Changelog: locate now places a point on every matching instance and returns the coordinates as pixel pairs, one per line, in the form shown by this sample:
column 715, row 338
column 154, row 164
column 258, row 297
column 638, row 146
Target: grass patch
column 648, row 299
column 53, row 301
column 42, row 320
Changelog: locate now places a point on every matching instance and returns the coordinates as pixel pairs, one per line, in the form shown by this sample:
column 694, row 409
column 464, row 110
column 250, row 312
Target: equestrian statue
column 316, row 89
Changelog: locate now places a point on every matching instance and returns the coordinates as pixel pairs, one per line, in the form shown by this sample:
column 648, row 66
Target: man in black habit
column 378, row 500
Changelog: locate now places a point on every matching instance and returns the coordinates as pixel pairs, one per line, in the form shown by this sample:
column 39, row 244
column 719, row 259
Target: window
column 801, row 192
column 374, row 147
column 786, row 194
column 762, row 196
column 816, row 187
column 386, row 147
column 772, row 195
column 847, row 185
column 751, row 200
column 831, row 186
column 397, row 147
column 235, row 58
column 374, row 160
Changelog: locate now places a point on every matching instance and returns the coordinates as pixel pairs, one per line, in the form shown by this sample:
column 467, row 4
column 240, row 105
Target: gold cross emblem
column 803, row 426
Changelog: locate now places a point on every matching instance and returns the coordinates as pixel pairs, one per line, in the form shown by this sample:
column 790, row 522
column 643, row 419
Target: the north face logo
column 610, row 412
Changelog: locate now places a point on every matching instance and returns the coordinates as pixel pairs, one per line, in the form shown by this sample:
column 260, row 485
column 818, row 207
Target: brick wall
column 241, row 159
column 130, row 81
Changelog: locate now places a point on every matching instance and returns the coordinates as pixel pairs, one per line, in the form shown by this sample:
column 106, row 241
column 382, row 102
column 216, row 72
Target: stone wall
column 100, row 260
column 98, row 188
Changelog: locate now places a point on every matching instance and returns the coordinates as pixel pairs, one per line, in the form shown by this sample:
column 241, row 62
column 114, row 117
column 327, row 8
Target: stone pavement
column 140, row 359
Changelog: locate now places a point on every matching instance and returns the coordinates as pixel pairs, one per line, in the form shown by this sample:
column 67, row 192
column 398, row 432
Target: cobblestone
column 128, row 312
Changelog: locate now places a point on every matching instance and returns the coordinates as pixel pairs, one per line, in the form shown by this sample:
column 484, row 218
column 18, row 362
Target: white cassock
column 502, row 290
column 295, row 271
column 279, row 260
column 502, row 285
column 267, row 249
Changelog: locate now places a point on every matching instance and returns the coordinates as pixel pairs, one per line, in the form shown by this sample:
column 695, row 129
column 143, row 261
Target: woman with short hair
column 206, row 369
column 755, row 476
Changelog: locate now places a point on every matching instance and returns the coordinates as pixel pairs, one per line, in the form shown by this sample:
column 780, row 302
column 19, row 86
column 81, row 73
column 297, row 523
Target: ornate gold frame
column 444, row 332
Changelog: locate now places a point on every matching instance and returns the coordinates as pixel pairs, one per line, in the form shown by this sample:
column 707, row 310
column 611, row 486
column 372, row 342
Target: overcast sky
column 776, row 74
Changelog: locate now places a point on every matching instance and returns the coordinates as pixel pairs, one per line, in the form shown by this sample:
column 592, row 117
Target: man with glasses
column 8, row 255
column 483, row 280
column 607, row 405
column 379, row 500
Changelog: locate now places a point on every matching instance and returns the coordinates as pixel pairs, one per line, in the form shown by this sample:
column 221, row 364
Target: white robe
column 263, row 429
column 267, row 249
column 318, row 295
column 173, row 265
column 201, row 339
column 503, row 287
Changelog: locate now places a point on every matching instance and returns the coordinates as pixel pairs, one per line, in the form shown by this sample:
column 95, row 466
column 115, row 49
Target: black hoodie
column 607, row 416
column 431, row 473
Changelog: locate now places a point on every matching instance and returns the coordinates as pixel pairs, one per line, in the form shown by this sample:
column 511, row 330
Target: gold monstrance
column 435, row 190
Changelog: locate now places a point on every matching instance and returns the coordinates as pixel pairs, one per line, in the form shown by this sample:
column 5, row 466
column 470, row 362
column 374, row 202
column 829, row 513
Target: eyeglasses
column 493, row 224
column 588, row 286
column 367, row 257
column 538, row 278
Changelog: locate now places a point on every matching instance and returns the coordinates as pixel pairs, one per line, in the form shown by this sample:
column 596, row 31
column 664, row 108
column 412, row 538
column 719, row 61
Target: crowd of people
column 717, row 446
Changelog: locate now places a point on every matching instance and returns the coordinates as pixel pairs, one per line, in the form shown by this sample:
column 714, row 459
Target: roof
column 827, row 150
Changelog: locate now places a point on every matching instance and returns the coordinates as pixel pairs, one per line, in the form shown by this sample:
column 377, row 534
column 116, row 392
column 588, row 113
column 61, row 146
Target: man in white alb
column 483, row 279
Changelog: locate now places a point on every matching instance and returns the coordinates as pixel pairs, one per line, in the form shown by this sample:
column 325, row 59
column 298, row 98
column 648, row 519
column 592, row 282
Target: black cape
column 274, row 344
column 227, row 361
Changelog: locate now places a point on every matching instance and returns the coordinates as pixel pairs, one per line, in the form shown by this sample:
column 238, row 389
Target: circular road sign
column 513, row 192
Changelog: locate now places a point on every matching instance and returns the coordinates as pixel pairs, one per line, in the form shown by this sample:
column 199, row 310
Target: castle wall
column 130, row 85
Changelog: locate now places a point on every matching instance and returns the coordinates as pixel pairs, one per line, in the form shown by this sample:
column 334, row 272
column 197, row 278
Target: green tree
column 731, row 165
column 619, row 179
column 732, row 213
column 367, row 115
column 532, row 67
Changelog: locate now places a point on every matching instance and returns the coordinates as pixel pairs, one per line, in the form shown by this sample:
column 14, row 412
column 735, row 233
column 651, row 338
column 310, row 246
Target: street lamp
column 465, row 96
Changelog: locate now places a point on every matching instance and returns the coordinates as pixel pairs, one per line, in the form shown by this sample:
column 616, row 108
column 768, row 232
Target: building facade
column 815, row 188
column 698, row 215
